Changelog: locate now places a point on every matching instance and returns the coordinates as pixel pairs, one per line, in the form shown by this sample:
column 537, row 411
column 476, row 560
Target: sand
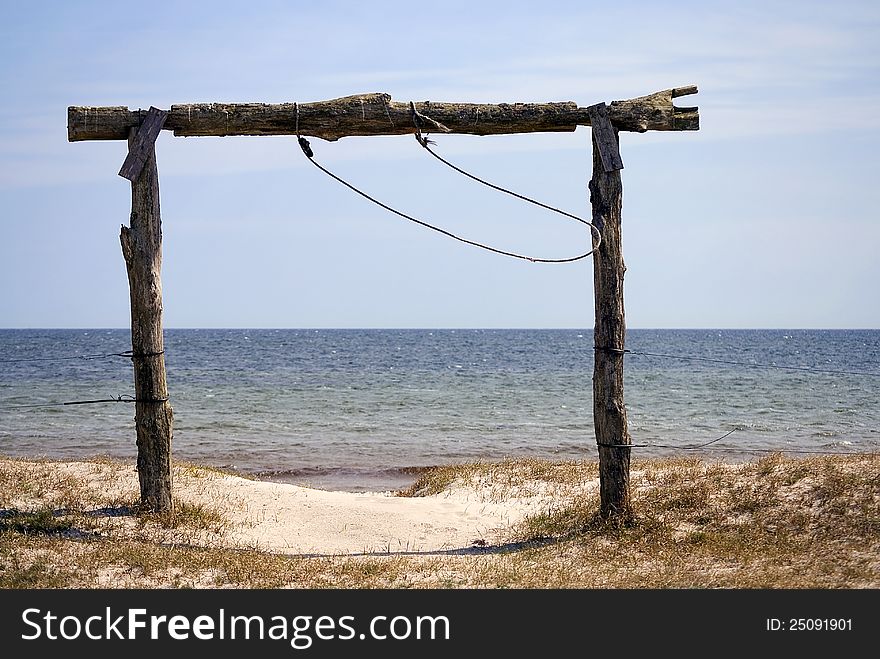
column 291, row 519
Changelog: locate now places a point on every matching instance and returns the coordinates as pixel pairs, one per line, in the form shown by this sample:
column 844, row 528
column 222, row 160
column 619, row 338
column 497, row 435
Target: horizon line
column 445, row 328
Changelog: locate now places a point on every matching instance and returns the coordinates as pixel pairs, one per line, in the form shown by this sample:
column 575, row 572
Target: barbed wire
column 751, row 364
column 728, row 449
column 125, row 398
column 125, row 353
column 746, row 364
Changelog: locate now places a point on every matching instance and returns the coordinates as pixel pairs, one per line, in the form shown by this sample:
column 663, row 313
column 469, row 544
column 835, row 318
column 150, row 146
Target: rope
column 307, row 150
column 424, row 141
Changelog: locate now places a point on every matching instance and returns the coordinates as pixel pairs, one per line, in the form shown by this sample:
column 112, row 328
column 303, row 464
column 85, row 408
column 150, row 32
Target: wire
column 725, row 448
column 307, row 150
column 748, row 364
column 127, row 353
column 668, row 446
column 118, row 399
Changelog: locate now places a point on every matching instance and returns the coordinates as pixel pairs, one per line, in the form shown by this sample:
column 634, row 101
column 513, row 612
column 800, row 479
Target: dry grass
column 777, row 522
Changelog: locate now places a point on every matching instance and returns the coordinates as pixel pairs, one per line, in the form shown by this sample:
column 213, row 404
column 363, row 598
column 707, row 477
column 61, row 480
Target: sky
column 764, row 218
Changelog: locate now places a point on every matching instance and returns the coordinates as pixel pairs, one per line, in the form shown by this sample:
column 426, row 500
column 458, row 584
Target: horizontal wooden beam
column 377, row 114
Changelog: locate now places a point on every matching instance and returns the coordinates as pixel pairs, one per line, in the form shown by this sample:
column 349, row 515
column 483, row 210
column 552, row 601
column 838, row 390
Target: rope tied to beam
column 419, row 119
column 307, row 151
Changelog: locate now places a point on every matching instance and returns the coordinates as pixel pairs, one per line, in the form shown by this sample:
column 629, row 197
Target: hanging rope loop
column 419, row 119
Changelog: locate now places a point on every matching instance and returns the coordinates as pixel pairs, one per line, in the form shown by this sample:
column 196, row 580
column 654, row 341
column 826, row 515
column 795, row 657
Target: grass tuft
column 39, row 522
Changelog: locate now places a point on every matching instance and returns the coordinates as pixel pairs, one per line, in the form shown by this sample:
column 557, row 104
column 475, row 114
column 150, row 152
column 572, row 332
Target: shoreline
column 389, row 479
column 342, row 479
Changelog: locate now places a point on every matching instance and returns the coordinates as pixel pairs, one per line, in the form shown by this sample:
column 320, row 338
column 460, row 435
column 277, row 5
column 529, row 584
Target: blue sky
column 765, row 217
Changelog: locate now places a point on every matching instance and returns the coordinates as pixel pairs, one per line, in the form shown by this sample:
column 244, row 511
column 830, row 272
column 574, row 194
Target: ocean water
column 366, row 409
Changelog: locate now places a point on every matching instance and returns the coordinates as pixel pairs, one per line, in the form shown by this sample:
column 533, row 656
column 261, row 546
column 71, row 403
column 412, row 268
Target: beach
column 777, row 522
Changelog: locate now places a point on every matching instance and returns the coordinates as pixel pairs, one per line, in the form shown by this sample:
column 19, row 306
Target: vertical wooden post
column 609, row 412
column 142, row 249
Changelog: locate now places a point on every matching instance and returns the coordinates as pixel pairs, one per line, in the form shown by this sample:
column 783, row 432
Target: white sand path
column 291, row 519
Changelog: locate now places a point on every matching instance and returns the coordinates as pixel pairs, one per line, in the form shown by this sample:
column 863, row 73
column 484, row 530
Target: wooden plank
column 605, row 137
column 378, row 114
column 139, row 151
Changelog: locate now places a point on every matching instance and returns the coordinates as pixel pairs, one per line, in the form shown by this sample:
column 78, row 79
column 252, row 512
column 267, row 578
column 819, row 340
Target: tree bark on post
column 609, row 334
column 142, row 249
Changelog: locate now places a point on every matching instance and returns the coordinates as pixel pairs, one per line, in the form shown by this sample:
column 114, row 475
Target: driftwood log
column 377, row 114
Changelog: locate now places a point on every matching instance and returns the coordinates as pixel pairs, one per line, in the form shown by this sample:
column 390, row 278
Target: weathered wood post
column 609, row 334
column 142, row 250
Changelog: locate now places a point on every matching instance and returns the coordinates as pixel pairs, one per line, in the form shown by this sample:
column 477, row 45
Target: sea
column 368, row 410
